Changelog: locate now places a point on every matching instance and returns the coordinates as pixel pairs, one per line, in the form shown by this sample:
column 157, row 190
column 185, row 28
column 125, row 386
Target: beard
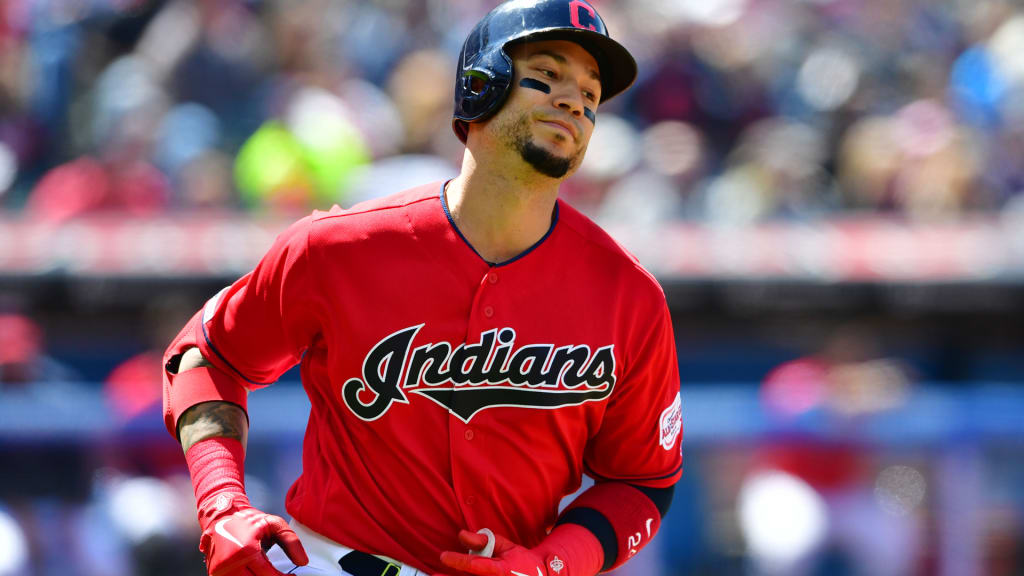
column 518, row 136
column 543, row 161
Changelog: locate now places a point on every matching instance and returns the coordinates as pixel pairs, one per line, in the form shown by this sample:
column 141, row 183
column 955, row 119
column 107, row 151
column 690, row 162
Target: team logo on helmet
column 471, row 377
column 576, row 6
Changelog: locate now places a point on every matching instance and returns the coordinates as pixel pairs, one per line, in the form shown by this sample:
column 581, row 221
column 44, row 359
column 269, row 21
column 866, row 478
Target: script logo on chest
column 471, row 377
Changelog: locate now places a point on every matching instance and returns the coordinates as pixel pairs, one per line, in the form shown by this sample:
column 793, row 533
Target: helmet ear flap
column 475, row 88
column 482, row 88
column 475, row 92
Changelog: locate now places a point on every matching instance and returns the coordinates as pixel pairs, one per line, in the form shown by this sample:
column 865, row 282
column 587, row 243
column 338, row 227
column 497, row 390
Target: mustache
column 572, row 124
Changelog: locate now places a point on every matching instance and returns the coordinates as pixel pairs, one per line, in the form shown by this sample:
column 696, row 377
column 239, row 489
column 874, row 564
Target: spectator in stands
column 133, row 389
column 832, row 481
column 43, row 485
column 23, row 364
column 118, row 176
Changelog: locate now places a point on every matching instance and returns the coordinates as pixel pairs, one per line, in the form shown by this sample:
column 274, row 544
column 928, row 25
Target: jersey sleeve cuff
column 661, row 481
column 195, row 386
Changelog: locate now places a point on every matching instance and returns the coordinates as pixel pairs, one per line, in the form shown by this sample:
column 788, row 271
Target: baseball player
column 470, row 349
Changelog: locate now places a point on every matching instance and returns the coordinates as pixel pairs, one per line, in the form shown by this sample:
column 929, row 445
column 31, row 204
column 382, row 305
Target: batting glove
column 236, row 537
column 507, row 558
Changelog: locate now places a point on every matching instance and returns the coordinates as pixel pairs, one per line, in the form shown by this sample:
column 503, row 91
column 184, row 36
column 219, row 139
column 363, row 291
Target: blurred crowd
column 745, row 110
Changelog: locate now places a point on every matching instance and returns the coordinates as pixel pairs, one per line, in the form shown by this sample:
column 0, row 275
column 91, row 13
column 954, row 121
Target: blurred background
column 830, row 191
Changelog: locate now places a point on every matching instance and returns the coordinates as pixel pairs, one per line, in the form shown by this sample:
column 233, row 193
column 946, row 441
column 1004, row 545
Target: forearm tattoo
column 212, row 419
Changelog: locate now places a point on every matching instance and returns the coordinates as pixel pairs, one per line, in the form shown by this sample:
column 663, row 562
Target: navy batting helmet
column 484, row 57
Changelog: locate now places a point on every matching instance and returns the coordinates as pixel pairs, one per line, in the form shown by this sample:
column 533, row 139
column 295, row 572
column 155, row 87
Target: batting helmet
column 484, row 57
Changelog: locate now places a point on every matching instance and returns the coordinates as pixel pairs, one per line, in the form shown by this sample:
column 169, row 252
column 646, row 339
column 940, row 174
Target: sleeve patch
column 212, row 304
column 671, row 424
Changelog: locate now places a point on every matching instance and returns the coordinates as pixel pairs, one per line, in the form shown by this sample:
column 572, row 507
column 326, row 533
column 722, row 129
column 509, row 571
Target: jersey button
column 488, row 311
column 492, row 277
column 469, row 435
column 470, row 500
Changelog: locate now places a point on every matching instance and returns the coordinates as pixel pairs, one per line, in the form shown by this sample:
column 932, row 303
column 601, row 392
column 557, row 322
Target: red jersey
column 448, row 392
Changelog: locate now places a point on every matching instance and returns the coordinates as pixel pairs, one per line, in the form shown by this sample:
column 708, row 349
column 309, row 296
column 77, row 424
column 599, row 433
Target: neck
column 502, row 213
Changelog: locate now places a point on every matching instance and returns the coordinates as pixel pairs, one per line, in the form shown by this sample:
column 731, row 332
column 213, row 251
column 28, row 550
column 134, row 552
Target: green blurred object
column 333, row 150
column 277, row 168
column 271, row 168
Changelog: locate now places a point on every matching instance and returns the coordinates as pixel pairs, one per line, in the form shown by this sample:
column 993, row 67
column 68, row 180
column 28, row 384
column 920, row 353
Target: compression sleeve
column 624, row 518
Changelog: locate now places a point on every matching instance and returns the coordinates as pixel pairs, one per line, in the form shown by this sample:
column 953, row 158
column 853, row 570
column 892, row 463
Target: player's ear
column 473, row 130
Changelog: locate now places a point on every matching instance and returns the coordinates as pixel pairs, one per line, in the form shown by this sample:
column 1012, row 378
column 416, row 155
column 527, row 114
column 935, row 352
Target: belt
column 359, row 563
column 352, row 562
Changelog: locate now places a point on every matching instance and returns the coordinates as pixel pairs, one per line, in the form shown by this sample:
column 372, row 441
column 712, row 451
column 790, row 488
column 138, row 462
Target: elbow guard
column 182, row 390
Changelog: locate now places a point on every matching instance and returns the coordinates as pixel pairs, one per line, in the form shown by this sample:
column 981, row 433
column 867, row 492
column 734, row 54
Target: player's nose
column 569, row 98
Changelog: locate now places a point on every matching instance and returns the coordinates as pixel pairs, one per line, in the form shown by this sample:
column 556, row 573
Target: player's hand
column 507, row 559
column 236, row 537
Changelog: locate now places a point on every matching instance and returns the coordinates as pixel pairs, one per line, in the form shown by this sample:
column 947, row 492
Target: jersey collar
column 451, row 222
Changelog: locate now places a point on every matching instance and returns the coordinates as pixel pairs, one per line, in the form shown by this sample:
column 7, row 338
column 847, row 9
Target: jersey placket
column 467, row 439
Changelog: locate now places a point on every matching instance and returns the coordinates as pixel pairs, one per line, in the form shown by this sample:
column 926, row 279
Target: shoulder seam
column 370, row 210
column 313, row 271
column 622, row 253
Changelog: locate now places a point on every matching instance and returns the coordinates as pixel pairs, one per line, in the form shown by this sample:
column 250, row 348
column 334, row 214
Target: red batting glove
column 552, row 558
column 235, row 536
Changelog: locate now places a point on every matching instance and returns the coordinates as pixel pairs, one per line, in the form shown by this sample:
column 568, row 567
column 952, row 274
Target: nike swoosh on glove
column 509, row 559
column 236, row 537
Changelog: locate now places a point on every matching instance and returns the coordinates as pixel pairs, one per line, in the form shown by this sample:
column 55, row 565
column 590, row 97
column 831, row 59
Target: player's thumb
column 289, row 542
column 472, row 540
column 466, row 564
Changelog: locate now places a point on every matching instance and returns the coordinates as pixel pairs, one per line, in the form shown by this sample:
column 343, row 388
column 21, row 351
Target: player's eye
column 590, row 96
column 547, row 72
